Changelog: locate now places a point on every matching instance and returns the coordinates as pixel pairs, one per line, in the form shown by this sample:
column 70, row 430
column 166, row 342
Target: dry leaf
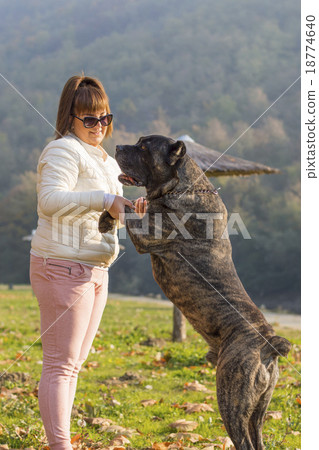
column 274, row 415
column 11, row 393
column 196, row 407
column 20, row 431
column 3, row 363
column 161, row 445
column 149, row 402
column 119, row 441
column 295, row 433
column 75, row 438
column 195, row 386
column 92, row 364
column 156, row 419
column 192, row 437
column 119, row 430
column 226, row 441
column 184, row 425
column 190, row 448
column 98, row 421
column 298, row 400
column 176, row 446
column 212, row 447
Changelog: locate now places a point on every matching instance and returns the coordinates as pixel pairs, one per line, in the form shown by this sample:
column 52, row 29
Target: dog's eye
column 143, row 147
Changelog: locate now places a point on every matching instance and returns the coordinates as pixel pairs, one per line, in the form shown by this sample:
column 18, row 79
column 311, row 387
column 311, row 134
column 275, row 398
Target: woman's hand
column 117, row 209
column 141, row 206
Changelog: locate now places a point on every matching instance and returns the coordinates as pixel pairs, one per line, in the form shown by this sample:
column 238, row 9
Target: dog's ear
column 176, row 152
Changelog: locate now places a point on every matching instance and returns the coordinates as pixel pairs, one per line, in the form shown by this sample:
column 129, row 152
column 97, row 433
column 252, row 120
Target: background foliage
column 206, row 68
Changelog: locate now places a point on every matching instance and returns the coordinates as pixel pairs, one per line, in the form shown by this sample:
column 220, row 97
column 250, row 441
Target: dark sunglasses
column 91, row 122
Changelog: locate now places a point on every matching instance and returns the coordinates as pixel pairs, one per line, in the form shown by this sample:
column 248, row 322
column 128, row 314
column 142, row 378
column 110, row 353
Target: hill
column 205, row 68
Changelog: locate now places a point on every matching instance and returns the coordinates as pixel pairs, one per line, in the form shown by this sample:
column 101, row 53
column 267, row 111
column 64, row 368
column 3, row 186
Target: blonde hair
column 80, row 95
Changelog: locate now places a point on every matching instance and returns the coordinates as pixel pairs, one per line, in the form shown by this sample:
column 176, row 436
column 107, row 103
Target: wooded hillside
column 206, row 68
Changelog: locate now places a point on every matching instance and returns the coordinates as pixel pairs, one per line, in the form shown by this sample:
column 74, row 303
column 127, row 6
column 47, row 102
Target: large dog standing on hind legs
column 184, row 230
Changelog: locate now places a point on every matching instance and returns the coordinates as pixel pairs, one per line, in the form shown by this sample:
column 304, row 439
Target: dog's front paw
column 106, row 222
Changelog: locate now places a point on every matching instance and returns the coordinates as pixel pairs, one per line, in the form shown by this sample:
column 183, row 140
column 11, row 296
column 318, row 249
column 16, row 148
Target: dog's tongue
column 126, row 179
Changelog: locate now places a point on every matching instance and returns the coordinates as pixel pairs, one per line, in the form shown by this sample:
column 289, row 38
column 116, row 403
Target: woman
column 69, row 260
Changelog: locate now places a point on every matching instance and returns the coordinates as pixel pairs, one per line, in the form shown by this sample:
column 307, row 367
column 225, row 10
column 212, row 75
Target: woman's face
column 92, row 136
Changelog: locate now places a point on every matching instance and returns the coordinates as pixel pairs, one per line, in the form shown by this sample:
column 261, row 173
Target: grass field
column 120, row 373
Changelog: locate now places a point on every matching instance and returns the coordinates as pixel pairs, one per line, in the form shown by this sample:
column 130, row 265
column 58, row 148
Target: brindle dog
column 185, row 231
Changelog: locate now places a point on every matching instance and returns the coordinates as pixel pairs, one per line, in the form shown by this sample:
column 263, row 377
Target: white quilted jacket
column 72, row 180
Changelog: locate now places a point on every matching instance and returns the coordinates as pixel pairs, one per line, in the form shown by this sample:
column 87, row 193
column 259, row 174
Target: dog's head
column 152, row 162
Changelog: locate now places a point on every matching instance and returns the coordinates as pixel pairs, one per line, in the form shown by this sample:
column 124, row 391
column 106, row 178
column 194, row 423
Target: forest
column 208, row 69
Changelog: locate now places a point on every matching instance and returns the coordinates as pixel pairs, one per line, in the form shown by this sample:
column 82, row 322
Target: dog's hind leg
column 239, row 435
column 235, row 407
column 257, row 418
column 244, row 389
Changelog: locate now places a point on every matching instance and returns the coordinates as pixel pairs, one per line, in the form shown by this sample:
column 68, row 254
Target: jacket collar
column 98, row 151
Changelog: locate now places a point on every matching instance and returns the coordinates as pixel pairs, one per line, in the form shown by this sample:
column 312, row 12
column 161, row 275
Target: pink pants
column 71, row 297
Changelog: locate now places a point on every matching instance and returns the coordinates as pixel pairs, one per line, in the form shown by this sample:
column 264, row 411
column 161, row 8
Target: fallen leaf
column 184, row 425
column 149, row 402
column 176, row 446
column 295, row 433
column 212, row 447
column 298, row 400
column 195, row 386
column 11, row 393
column 131, row 353
column 192, row 437
column 119, row 430
column 75, row 438
column 98, row 421
column 161, row 445
column 226, row 441
column 119, row 441
column 92, row 364
column 196, row 407
column 277, row 415
column 20, row 431
column 3, row 363
column 19, row 355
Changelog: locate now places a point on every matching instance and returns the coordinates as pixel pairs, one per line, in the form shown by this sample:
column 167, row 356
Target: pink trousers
column 71, row 297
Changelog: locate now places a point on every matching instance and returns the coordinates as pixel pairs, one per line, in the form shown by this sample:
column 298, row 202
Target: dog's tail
column 276, row 346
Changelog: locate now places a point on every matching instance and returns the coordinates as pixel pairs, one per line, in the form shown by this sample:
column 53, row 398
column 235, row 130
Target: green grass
column 118, row 350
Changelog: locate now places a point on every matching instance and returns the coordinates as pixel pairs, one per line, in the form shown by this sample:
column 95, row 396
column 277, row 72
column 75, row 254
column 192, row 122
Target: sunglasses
column 91, row 122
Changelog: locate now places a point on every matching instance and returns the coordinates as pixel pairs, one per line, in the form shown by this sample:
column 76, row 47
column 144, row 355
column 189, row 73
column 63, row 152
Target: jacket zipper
column 60, row 265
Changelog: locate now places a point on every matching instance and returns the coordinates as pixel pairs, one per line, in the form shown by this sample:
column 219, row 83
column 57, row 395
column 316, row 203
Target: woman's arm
column 58, row 172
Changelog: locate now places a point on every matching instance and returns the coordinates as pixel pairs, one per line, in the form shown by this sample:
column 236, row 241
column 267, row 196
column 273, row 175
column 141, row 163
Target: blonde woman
column 69, row 261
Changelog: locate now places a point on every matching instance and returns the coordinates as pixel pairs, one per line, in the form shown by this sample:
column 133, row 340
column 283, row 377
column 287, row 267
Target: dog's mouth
column 127, row 180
